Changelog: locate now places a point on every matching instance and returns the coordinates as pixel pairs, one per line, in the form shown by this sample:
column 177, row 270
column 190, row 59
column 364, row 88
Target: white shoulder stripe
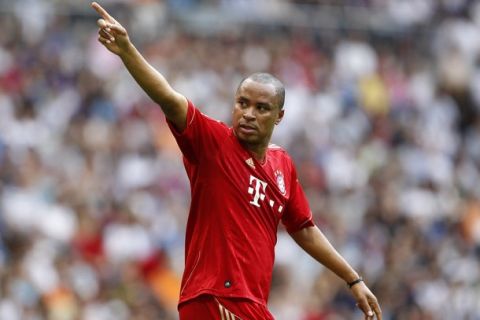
column 274, row 146
column 193, row 116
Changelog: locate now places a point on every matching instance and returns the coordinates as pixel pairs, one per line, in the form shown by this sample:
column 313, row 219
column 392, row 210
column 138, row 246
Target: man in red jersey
column 242, row 187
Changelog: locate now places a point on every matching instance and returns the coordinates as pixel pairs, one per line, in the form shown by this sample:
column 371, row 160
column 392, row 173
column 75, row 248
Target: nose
column 249, row 114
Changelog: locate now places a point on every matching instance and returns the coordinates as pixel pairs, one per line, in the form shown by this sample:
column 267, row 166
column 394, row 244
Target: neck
column 258, row 151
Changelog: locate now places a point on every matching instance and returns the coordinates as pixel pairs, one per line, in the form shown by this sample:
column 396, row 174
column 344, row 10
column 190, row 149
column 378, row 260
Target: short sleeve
column 201, row 137
column 297, row 212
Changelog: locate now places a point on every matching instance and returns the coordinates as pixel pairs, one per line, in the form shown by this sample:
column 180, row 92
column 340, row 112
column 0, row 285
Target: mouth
column 247, row 129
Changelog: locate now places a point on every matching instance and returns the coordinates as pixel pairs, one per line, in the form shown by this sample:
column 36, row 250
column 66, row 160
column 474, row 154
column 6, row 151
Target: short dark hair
column 267, row 78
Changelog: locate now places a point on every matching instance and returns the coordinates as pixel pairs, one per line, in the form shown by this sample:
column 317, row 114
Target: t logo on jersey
column 257, row 187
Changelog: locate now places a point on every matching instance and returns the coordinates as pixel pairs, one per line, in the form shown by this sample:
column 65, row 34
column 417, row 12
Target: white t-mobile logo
column 257, row 187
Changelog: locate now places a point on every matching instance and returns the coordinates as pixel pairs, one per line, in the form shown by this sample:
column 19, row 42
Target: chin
column 247, row 139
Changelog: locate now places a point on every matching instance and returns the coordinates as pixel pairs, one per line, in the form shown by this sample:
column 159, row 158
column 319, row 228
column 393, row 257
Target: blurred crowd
column 383, row 125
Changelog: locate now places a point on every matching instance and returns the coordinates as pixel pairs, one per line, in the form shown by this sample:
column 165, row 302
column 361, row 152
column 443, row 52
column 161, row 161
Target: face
column 255, row 113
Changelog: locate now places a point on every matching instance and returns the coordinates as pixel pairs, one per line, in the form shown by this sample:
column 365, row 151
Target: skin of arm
column 115, row 38
column 312, row 240
column 173, row 104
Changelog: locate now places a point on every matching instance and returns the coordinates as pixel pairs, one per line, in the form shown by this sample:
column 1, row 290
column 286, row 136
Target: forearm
column 155, row 85
column 313, row 241
column 115, row 38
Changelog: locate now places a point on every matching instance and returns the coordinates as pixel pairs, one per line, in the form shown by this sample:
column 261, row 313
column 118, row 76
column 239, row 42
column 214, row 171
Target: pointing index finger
column 105, row 15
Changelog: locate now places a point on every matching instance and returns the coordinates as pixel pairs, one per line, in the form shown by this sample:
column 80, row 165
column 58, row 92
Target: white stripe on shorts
column 225, row 314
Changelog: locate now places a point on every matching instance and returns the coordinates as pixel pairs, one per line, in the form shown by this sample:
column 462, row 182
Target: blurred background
column 382, row 120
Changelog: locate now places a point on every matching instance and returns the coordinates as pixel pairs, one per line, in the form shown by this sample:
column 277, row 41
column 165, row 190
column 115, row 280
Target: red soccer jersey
column 236, row 206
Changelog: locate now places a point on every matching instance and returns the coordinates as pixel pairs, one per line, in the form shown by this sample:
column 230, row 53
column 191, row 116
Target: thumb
column 101, row 23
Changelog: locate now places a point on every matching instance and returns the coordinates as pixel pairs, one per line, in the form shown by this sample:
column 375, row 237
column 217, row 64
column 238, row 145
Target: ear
column 280, row 116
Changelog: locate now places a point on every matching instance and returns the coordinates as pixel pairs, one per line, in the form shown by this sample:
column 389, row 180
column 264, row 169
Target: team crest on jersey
column 280, row 181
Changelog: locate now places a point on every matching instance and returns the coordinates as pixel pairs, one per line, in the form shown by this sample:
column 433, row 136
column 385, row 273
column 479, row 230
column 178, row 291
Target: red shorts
column 207, row 307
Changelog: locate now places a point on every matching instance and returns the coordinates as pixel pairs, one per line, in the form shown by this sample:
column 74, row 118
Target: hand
column 111, row 33
column 366, row 301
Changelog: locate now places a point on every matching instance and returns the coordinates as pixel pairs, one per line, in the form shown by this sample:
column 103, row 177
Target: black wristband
column 354, row 282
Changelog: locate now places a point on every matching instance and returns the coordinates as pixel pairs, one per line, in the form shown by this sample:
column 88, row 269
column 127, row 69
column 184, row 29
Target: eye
column 242, row 103
column 263, row 107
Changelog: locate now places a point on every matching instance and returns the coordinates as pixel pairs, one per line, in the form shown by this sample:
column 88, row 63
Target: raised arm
column 115, row 38
column 312, row 240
